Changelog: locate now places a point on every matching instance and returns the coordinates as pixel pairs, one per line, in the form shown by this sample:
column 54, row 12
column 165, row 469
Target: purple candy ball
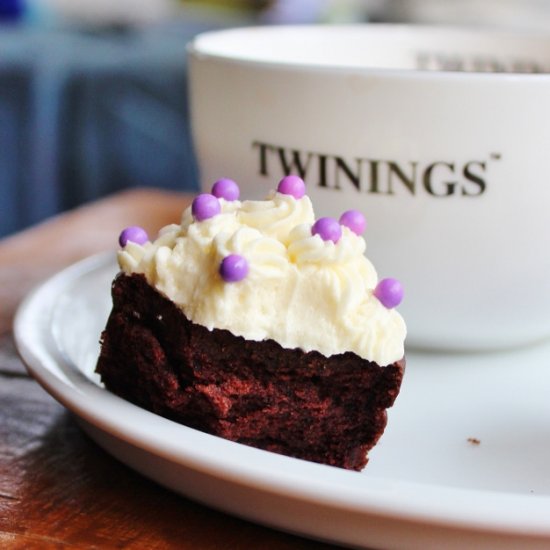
column 354, row 220
column 292, row 185
column 328, row 229
column 233, row 268
column 205, row 206
column 134, row 234
column 389, row 292
column 226, row 189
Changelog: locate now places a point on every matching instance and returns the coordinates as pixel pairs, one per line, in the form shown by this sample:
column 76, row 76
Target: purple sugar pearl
column 354, row 220
column 226, row 189
column 134, row 234
column 233, row 268
column 292, row 185
column 328, row 229
column 389, row 292
column 205, row 206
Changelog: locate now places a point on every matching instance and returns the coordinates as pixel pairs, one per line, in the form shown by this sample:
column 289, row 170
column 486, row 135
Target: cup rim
column 201, row 48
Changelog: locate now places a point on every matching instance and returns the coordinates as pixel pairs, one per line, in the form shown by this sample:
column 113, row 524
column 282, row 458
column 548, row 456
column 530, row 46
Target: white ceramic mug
column 440, row 136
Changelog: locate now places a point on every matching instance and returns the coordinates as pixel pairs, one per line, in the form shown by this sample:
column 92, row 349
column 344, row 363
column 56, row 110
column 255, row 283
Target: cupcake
column 255, row 322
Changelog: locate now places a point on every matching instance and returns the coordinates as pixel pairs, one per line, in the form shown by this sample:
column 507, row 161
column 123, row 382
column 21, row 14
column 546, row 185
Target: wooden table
column 57, row 488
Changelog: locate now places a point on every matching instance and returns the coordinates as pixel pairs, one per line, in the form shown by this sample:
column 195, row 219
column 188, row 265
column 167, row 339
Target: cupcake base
column 330, row 410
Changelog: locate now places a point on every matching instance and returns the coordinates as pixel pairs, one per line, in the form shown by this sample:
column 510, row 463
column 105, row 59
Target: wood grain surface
column 57, row 488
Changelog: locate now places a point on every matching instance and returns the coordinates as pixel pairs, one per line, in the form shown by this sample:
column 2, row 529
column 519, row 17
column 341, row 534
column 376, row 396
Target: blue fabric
column 11, row 9
column 85, row 114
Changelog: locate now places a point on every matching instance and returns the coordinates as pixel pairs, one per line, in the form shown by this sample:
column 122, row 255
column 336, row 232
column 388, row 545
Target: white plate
column 426, row 485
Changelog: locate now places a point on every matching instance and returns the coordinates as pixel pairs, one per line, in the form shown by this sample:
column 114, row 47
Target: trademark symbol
column 496, row 156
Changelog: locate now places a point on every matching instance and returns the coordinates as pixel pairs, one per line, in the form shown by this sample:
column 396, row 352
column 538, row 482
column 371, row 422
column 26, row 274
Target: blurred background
column 93, row 93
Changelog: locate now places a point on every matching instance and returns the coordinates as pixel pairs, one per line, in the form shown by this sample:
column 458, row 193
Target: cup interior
column 397, row 47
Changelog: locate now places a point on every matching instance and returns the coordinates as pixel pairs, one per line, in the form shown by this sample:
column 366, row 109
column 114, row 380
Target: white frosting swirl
column 300, row 291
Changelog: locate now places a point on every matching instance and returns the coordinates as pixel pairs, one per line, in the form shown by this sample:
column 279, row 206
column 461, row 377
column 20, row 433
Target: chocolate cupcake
column 255, row 322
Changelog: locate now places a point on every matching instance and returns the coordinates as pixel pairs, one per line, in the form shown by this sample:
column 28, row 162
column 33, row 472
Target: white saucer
column 465, row 460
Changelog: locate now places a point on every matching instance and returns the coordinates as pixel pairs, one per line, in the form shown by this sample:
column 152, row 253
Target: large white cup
column 440, row 136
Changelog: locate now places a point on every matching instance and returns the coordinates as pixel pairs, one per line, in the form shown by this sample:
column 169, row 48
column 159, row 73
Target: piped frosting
column 298, row 287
